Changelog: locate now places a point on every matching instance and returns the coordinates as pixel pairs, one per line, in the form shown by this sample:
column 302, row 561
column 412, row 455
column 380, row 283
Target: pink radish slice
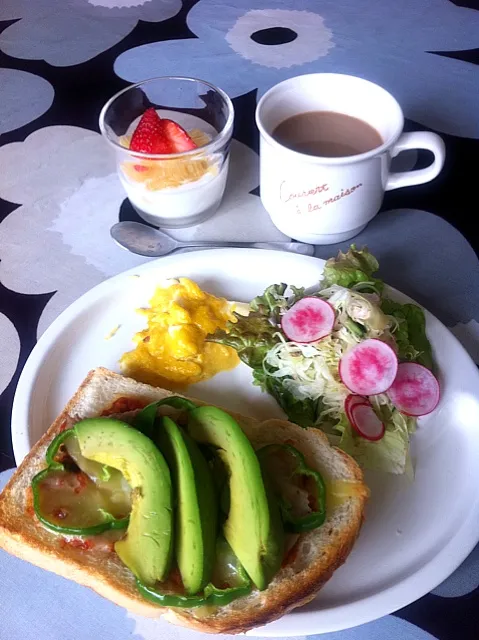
column 366, row 423
column 369, row 368
column 308, row 320
column 415, row 391
column 353, row 401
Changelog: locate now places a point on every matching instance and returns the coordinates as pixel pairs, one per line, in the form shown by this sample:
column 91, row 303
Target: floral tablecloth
column 60, row 60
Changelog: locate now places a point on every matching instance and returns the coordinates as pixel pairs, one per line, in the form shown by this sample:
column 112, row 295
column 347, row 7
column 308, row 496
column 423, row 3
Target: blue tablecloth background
column 60, row 60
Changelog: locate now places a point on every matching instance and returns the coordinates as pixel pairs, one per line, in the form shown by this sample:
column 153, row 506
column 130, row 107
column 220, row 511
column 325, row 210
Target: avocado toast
column 285, row 570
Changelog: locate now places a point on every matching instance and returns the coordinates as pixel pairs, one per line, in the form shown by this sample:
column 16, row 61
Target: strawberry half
column 178, row 138
column 150, row 135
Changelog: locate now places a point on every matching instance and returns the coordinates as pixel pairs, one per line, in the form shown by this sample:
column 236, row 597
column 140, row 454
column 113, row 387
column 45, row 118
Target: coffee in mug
column 326, row 145
column 327, row 134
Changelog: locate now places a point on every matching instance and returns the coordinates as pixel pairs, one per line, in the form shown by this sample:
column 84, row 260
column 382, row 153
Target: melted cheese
column 339, row 491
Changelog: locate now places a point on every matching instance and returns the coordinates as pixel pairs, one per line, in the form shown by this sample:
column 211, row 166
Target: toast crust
column 319, row 552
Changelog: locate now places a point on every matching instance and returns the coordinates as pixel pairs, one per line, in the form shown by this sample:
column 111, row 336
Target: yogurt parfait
column 172, row 160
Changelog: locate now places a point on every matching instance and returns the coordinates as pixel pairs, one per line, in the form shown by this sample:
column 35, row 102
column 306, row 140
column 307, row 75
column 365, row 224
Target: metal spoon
column 153, row 243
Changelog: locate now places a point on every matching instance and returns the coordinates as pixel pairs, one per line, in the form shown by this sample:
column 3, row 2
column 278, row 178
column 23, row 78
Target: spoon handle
column 294, row 247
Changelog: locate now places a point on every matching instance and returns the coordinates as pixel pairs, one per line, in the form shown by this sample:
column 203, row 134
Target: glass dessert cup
column 176, row 189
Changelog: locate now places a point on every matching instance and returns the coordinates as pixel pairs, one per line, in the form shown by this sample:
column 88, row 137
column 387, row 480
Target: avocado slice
column 147, row 547
column 196, row 509
column 253, row 528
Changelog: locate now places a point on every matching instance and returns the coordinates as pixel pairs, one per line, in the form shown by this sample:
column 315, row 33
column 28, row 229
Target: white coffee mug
column 326, row 200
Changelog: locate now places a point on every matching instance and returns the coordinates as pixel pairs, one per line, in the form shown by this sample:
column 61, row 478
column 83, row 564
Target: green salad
column 345, row 359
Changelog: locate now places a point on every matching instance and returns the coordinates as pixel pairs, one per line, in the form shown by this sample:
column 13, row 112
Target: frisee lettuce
column 352, row 268
column 410, row 333
column 251, row 336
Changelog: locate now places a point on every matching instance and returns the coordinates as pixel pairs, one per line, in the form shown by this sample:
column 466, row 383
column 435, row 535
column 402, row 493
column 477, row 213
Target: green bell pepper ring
column 227, row 569
column 53, row 447
column 309, row 521
column 110, row 522
column 212, row 596
column 144, row 420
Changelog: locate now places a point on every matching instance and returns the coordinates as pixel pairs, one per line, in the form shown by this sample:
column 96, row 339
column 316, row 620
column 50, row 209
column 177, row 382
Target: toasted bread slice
column 317, row 554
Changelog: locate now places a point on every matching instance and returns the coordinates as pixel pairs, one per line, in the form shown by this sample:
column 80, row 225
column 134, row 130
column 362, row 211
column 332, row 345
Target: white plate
column 414, row 535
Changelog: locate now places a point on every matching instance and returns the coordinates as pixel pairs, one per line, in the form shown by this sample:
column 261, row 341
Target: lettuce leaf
column 271, row 303
column 304, row 412
column 390, row 454
column 251, row 336
column 254, row 335
column 351, row 268
column 410, row 334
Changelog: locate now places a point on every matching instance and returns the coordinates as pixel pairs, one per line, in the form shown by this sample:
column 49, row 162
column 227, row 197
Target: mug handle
column 418, row 140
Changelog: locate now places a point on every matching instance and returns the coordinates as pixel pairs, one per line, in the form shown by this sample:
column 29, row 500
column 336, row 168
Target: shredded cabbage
column 309, row 371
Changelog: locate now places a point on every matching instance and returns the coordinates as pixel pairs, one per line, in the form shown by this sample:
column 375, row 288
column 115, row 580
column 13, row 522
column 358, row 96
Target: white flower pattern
column 25, row 97
column 315, row 39
column 72, row 31
column 10, row 350
column 58, row 239
column 390, row 43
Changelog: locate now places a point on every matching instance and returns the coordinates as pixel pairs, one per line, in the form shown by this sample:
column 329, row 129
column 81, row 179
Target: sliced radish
column 353, row 401
column 308, row 320
column 366, row 423
column 415, row 391
column 369, row 368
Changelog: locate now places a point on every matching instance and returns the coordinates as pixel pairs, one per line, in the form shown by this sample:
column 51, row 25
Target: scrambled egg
column 172, row 351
